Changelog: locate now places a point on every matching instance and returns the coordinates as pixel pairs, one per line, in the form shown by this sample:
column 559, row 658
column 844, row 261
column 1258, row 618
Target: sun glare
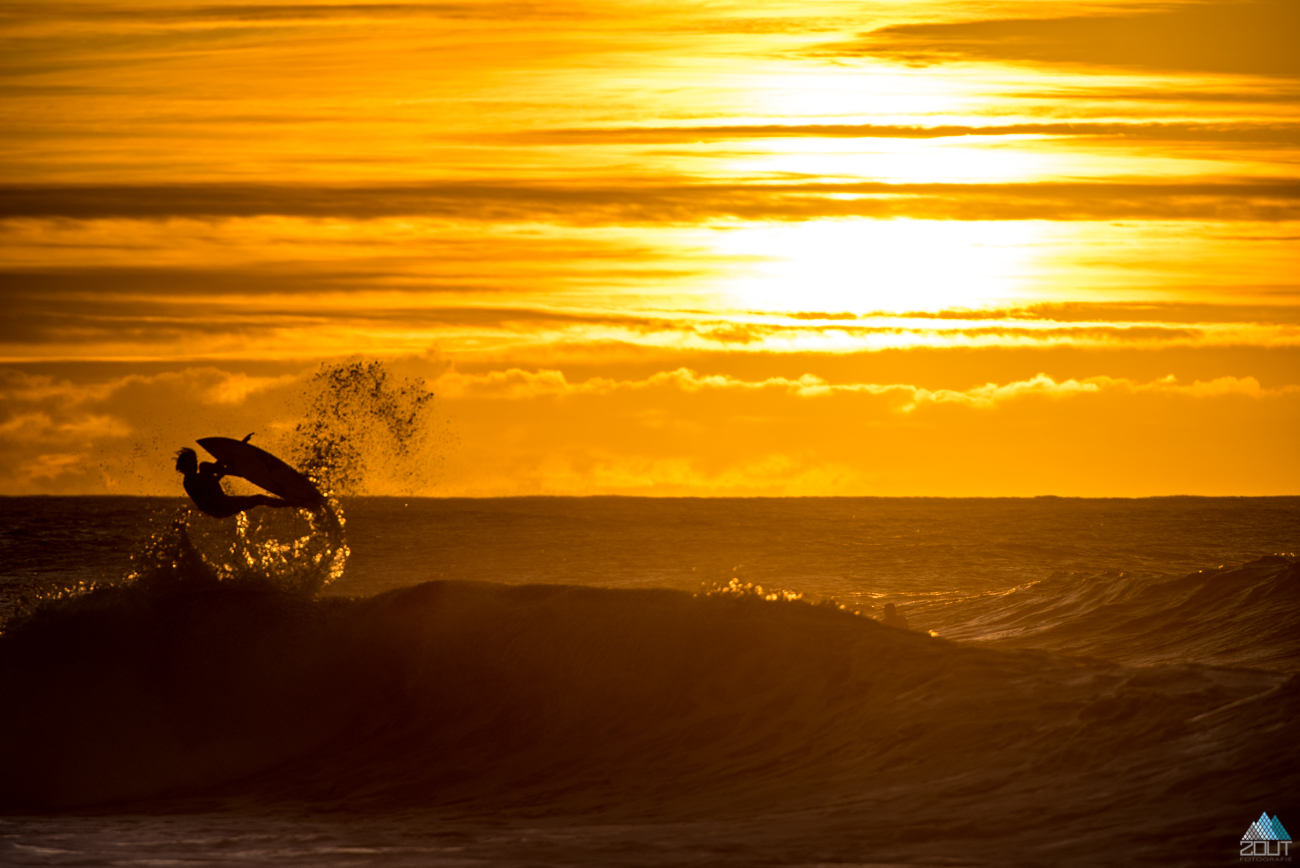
column 871, row 90
column 861, row 266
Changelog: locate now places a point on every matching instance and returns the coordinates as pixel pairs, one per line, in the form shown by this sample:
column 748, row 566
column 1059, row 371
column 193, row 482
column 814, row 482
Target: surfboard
column 262, row 469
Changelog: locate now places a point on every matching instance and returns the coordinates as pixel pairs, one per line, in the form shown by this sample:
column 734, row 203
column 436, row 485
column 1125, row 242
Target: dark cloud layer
column 1106, row 311
column 70, row 306
column 1239, row 94
column 1256, row 38
column 1281, row 134
column 262, row 12
column 669, row 203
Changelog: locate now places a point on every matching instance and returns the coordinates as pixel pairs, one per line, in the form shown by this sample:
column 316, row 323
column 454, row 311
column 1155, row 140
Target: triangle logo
column 1265, row 829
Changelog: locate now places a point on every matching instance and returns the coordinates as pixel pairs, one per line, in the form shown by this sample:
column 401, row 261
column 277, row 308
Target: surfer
column 203, row 485
column 894, row 618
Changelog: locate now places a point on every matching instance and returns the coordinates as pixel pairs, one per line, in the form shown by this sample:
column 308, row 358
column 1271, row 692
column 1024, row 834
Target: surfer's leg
column 249, row 501
column 267, row 500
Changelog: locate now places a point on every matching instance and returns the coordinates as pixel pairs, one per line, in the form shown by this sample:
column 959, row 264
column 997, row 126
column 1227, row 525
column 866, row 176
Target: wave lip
column 1238, row 616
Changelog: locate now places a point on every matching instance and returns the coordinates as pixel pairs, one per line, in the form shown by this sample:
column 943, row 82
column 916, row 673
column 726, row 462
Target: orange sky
column 759, row 248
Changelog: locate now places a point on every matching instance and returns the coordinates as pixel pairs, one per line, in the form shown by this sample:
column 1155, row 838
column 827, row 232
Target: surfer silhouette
column 203, row 485
column 243, row 459
column 894, row 618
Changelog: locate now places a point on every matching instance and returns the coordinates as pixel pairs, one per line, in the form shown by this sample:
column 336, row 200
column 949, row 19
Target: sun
column 864, row 266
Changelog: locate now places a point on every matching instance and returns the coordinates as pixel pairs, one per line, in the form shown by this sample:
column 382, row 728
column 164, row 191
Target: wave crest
column 563, row 698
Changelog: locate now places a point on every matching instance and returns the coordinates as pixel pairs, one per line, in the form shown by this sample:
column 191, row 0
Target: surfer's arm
column 216, row 468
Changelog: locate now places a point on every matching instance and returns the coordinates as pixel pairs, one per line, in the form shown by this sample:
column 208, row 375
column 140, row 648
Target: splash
column 358, row 421
column 363, row 427
column 735, row 589
column 299, row 553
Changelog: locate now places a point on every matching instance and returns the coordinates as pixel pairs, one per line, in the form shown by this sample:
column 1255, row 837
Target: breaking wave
column 558, row 699
column 1240, row 616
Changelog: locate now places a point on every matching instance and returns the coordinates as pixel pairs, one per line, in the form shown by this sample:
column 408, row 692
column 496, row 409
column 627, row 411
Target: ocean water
column 627, row 681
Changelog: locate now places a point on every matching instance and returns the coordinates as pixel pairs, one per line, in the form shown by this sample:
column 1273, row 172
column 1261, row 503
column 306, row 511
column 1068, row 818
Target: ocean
column 638, row 681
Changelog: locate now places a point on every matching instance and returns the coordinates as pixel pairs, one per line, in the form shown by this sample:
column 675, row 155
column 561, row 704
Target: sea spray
column 359, row 426
column 357, row 422
column 363, row 429
column 294, row 551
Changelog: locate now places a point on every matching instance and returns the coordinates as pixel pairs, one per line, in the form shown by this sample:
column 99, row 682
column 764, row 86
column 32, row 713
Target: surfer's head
column 187, row 461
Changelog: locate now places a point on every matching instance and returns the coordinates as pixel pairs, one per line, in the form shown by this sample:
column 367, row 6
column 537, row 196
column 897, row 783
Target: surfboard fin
column 248, row 436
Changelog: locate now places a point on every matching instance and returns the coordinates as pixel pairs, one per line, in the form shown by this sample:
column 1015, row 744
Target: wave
column 1238, row 616
column 557, row 699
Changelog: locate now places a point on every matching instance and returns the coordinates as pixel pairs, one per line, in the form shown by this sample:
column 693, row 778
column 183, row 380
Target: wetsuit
column 204, row 488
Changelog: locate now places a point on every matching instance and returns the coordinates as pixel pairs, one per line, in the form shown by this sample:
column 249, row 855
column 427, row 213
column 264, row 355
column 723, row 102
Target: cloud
column 236, row 388
column 1148, row 312
column 117, row 434
column 60, row 315
column 37, row 408
column 50, row 466
column 1238, row 93
column 19, row 387
column 685, row 432
column 677, row 431
column 246, row 14
column 650, row 202
column 518, row 384
column 1119, row 312
column 1252, row 38
column 601, row 471
column 48, row 427
column 1241, row 132
column 991, row 394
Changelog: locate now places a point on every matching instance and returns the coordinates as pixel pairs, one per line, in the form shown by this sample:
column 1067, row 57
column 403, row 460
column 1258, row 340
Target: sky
column 760, row 248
